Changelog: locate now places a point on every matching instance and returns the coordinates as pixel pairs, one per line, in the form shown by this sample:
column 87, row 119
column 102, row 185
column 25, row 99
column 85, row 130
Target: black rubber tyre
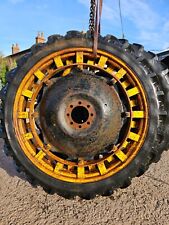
column 151, row 75
column 164, row 80
column 159, row 75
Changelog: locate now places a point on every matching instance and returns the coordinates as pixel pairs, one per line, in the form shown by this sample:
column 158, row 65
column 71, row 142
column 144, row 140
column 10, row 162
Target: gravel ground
column 145, row 202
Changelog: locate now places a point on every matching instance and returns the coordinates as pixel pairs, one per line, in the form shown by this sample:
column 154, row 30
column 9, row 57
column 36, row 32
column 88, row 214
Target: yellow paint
column 121, row 155
column 23, row 115
column 110, row 70
column 31, row 150
column 102, row 168
column 120, row 73
column 46, row 165
column 102, row 61
column 133, row 103
column 58, row 62
column 125, row 84
column 28, row 136
column 68, row 70
column 40, row 155
column 110, row 158
column 39, row 75
column 80, row 172
column 133, row 91
column 134, row 136
column 92, row 167
column 27, row 93
column 90, row 62
column 79, row 59
column 133, row 124
column 48, row 147
column 138, row 114
column 125, row 144
column 58, row 167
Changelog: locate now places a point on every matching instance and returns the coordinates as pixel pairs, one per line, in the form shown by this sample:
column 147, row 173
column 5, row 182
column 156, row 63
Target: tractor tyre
column 81, row 125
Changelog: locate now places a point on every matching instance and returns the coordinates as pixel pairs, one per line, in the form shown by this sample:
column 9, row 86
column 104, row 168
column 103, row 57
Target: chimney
column 40, row 38
column 15, row 49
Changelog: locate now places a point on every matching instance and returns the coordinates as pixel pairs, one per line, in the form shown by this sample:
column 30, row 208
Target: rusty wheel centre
column 84, row 118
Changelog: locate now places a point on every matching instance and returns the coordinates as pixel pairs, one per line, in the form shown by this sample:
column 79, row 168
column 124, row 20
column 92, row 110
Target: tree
column 6, row 64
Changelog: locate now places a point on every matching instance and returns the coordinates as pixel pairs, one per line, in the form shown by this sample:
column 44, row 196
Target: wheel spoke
column 27, row 93
column 39, row 75
column 58, row 61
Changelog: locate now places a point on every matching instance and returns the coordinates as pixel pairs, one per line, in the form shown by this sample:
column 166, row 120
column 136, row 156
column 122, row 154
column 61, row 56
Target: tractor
column 83, row 114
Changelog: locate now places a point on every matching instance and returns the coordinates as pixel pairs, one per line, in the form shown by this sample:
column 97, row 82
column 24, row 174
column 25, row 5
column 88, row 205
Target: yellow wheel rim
column 40, row 153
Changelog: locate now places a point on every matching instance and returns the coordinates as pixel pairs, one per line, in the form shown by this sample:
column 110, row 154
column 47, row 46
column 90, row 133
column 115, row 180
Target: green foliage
column 6, row 64
column 3, row 70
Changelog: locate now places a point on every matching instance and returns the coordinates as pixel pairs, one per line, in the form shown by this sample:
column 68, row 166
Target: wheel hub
column 80, row 115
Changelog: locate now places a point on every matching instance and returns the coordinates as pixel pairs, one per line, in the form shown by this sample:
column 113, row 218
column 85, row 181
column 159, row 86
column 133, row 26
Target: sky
column 145, row 21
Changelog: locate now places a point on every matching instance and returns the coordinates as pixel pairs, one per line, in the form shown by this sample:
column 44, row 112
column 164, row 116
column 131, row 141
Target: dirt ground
column 145, row 202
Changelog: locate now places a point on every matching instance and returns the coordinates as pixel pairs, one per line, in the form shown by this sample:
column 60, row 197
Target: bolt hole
column 91, row 114
column 80, row 103
column 71, row 123
column 68, row 114
column 88, row 106
column 105, row 104
column 80, row 126
column 88, row 123
column 71, row 106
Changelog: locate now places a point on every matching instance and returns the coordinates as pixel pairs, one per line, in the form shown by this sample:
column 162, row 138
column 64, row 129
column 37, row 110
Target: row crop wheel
column 79, row 125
